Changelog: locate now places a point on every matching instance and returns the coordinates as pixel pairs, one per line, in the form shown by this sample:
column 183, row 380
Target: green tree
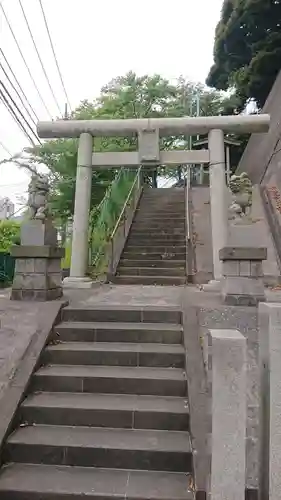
column 247, row 49
column 9, row 234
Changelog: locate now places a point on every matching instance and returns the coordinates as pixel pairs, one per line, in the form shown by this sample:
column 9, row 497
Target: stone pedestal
column 38, row 273
column 242, row 270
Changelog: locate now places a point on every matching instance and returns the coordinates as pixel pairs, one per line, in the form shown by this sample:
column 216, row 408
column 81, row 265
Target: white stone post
column 79, row 254
column 227, row 377
column 219, row 214
column 270, row 397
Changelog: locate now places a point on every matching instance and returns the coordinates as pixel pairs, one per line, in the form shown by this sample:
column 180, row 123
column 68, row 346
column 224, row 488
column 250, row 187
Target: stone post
column 242, row 271
column 227, row 366
column 38, row 273
column 79, row 253
column 270, row 405
column 219, row 208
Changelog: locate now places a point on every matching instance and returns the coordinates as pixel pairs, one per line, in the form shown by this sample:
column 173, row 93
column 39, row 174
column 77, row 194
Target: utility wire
column 15, row 117
column 39, row 57
column 54, row 53
column 19, row 85
column 5, row 148
column 24, row 60
column 18, row 94
column 18, row 110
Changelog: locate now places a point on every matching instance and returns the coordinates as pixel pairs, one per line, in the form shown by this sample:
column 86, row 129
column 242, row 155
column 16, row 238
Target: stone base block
column 73, row 282
column 37, row 295
column 38, row 233
column 38, row 277
column 213, row 286
column 242, row 291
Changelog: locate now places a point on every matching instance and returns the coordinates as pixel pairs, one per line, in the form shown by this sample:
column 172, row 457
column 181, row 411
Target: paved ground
column 19, row 321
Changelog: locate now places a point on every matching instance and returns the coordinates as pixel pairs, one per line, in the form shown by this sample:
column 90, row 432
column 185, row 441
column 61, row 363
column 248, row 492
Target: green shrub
column 65, row 263
column 9, row 235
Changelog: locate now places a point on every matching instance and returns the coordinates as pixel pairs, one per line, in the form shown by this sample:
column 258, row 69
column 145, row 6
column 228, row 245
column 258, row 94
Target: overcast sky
column 95, row 41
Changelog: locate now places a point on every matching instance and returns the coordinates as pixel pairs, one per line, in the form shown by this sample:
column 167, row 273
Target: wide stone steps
column 52, row 482
column 149, row 280
column 106, row 415
column 155, row 263
column 134, row 253
column 106, row 410
column 155, row 240
column 127, row 314
column 115, row 354
column 87, row 331
column 163, row 225
column 110, row 379
column 158, row 232
column 101, row 447
column 167, row 248
column 151, row 271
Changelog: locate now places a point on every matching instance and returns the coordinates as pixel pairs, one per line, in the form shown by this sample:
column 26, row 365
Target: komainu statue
column 38, row 191
column 242, row 190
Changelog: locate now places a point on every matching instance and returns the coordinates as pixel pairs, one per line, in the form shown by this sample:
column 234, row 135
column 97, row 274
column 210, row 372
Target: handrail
column 187, row 188
column 125, row 205
column 190, row 251
column 100, row 214
column 108, row 191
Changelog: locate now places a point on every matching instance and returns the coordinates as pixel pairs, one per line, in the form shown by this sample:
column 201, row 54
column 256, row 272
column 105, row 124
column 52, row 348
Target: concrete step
column 149, row 280
column 154, row 263
column 106, row 410
column 110, row 379
column 154, row 241
column 123, row 314
column 163, row 224
column 172, row 205
column 135, row 253
column 163, row 333
column 115, row 354
column 145, row 237
column 52, row 482
column 158, row 214
column 151, row 271
column 166, row 232
column 172, row 250
column 101, row 447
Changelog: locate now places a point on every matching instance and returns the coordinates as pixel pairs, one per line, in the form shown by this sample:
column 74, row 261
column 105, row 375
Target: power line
column 39, row 57
column 17, row 92
column 15, row 117
column 5, row 148
column 24, row 60
column 54, row 53
column 19, row 111
column 19, row 85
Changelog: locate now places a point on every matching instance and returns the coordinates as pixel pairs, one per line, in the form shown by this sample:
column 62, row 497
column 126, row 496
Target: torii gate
column 148, row 131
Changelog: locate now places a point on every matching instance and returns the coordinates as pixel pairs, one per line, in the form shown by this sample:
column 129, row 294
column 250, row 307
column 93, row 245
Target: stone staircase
column 106, row 415
column 155, row 252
